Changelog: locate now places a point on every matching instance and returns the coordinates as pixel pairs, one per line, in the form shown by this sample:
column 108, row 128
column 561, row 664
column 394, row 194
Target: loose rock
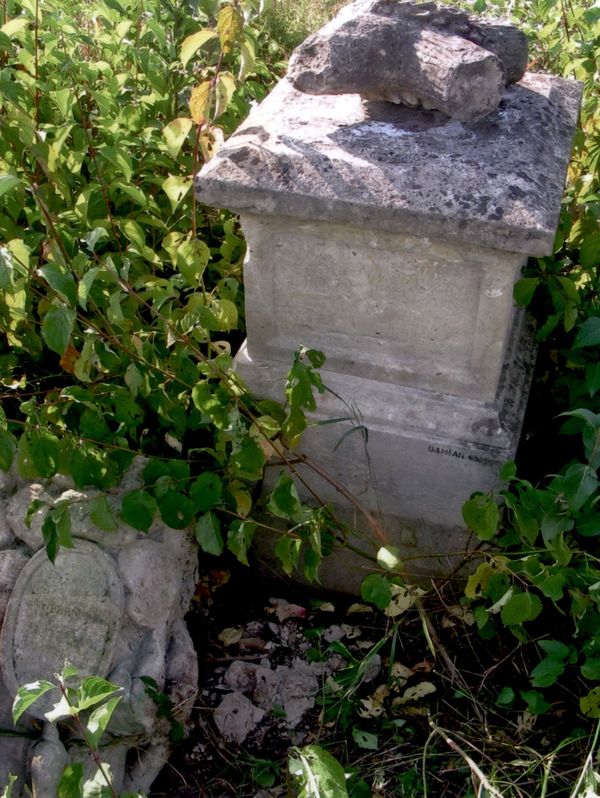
column 415, row 54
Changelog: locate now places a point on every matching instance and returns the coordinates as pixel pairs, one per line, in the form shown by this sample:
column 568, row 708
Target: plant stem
column 473, row 766
column 36, row 31
column 90, row 747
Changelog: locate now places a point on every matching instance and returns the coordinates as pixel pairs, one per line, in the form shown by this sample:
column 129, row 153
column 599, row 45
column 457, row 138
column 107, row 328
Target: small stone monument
column 390, row 191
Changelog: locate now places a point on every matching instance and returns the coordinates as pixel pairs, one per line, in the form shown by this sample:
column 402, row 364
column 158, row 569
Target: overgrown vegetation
column 121, row 304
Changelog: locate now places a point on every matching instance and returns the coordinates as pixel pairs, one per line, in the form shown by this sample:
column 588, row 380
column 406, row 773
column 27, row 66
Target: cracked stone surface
column 412, row 53
column 497, row 182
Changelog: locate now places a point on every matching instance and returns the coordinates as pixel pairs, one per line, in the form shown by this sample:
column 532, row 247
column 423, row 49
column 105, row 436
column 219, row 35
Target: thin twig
column 473, row 766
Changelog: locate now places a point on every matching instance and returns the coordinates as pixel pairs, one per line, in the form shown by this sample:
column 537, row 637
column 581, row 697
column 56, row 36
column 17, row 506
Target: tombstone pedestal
column 390, row 238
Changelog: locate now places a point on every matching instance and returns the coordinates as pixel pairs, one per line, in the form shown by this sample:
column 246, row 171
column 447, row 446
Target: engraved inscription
column 447, row 452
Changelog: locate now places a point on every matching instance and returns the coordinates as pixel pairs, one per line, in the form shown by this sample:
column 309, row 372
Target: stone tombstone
column 389, row 235
column 113, row 606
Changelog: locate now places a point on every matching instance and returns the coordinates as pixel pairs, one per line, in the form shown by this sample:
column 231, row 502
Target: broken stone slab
column 415, row 54
column 68, row 609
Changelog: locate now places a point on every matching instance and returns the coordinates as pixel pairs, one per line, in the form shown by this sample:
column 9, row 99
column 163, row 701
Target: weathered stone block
column 404, row 309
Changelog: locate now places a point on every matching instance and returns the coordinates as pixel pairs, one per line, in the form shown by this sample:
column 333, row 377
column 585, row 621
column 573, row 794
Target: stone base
column 410, row 457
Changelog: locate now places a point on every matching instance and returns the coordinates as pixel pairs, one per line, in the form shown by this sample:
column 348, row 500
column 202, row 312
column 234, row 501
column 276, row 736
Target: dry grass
column 289, row 22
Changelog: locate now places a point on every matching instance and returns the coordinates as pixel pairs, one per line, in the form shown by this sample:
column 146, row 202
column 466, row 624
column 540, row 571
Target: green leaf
column 27, row 695
column 71, row 782
column 521, row 607
column 535, row 702
column 506, row 698
column 553, row 525
column 208, row 534
column 137, row 509
column 481, row 515
column 554, row 648
column 591, row 669
column 376, row 589
column 590, row 703
column 508, row 470
column 8, row 447
column 193, row 43
column 99, row 720
column 93, row 691
column 592, row 378
column 61, row 515
column 50, row 535
column 364, row 739
column 176, row 187
column 317, row 773
column 589, row 251
column 176, row 510
column 547, row 672
column 249, row 460
column 101, row 514
column 61, row 280
column 589, row 333
column 206, row 491
column 526, row 523
column 176, row 132
column 8, row 183
column 239, row 539
column 57, row 327
column 133, row 232
column 208, row 403
column 580, row 482
column 524, row 290
column 284, row 501
column 552, row 587
column 287, row 550
column 44, row 452
column 192, row 259
column 85, row 284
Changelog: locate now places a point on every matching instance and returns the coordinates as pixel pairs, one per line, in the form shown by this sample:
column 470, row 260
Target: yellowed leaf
column 230, row 26
column 243, row 500
column 415, row 693
column 200, row 102
column 373, row 706
column 359, row 608
column 403, row 598
column 225, row 87
column 400, row 675
column 351, row 631
column 193, row 43
column 210, row 142
column 231, row 635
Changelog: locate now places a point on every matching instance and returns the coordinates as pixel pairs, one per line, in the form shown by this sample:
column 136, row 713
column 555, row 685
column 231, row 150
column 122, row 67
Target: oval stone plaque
column 71, row 610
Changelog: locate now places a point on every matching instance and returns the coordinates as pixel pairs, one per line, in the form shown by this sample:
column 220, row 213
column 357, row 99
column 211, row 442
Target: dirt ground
column 411, row 706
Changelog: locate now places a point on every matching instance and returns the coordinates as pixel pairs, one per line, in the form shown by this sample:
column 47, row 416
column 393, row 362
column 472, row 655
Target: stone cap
column 497, row 182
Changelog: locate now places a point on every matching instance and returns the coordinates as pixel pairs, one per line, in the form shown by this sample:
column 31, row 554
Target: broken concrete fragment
column 236, row 716
column 415, row 54
column 298, row 687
